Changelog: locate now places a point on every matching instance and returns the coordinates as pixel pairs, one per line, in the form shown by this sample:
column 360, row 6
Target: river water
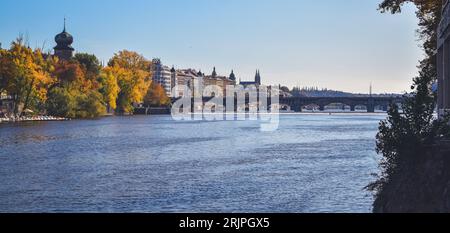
column 312, row 163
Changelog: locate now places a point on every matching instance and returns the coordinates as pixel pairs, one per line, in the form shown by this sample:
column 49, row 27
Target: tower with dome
column 63, row 48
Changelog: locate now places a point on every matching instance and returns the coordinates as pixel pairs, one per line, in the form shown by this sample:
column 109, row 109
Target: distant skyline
column 341, row 45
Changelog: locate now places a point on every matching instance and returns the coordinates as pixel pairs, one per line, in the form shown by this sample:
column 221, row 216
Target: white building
column 162, row 75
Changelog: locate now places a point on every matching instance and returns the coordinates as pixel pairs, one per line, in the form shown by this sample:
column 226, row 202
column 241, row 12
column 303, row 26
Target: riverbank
column 30, row 119
column 422, row 186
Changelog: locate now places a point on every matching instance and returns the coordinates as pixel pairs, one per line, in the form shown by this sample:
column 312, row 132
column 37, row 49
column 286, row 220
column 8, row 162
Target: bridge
column 298, row 103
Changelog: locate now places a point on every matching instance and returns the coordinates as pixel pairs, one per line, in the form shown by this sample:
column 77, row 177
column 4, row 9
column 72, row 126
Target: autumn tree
column 24, row 76
column 70, row 73
column 91, row 67
column 133, row 78
column 109, row 85
column 75, row 94
column 130, row 60
column 404, row 136
column 156, row 96
column 3, row 79
column 77, row 88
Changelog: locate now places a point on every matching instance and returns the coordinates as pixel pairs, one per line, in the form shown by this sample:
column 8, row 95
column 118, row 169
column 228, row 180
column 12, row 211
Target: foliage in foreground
column 405, row 135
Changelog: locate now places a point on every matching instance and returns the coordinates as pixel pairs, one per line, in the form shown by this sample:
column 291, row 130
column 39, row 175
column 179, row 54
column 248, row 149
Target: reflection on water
column 313, row 163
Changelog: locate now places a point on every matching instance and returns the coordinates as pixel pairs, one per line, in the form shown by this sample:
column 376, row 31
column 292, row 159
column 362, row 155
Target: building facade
column 162, row 75
column 189, row 78
column 196, row 81
column 443, row 60
column 178, row 79
column 220, row 81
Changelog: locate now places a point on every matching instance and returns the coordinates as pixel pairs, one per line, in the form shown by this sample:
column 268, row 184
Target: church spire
column 257, row 78
column 64, row 24
column 214, row 73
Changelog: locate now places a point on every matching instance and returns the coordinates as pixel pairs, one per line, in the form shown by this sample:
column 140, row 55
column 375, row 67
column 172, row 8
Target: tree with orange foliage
column 76, row 93
column 25, row 76
column 156, row 96
column 69, row 73
column 91, row 67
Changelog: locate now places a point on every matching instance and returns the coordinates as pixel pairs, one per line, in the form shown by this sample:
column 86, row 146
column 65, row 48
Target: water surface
column 313, row 163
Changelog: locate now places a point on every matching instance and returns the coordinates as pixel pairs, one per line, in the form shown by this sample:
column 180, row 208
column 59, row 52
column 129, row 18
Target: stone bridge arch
column 297, row 103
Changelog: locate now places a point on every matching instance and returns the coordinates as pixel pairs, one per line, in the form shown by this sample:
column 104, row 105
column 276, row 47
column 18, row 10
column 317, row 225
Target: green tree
column 60, row 102
column 90, row 63
column 89, row 105
column 75, row 95
column 91, row 66
column 405, row 135
column 64, row 102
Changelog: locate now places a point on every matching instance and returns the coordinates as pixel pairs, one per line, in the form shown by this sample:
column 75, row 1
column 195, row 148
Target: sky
column 336, row 44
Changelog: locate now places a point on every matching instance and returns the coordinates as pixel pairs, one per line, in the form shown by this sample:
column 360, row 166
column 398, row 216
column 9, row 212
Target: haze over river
column 312, row 163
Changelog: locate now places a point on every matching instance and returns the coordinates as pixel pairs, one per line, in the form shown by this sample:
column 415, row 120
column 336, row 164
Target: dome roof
column 64, row 40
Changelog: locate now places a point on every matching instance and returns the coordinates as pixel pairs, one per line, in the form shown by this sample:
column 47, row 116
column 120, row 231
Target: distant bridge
column 298, row 103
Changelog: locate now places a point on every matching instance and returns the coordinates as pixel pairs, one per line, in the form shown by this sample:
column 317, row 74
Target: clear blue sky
column 338, row 44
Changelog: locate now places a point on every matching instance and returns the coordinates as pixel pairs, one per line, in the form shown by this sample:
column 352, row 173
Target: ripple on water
column 313, row 163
